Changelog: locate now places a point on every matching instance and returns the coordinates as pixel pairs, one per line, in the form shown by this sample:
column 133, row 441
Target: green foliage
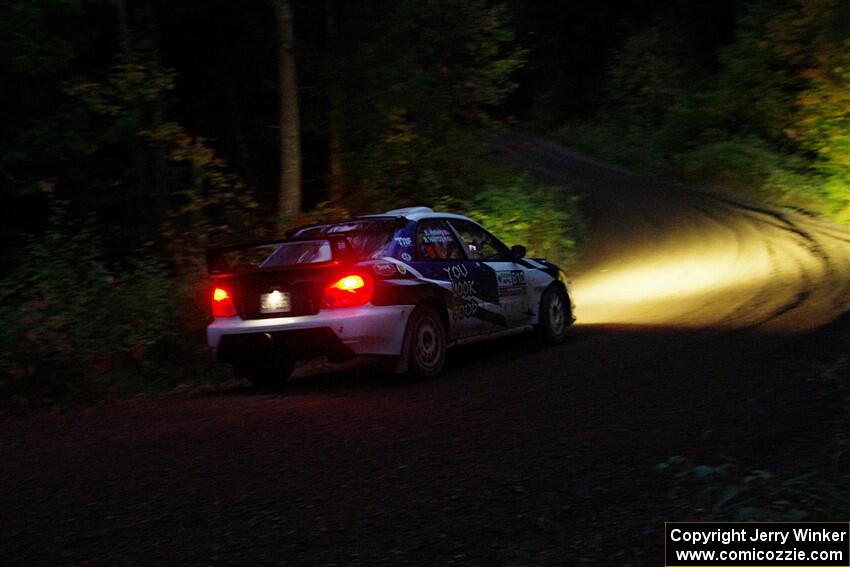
column 28, row 44
column 647, row 74
column 737, row 164
column 70, row 322
column 190, row 198
column 822, row 123
column 728, row 492
column 440, row 68
column 770, row 122
column 607, row 139
column 36, row 54
column 836, row 373
column 406, row 168
column 208, row 203
column 459, row 173
column 449, row 61
column 89, row 308
column 543, row 219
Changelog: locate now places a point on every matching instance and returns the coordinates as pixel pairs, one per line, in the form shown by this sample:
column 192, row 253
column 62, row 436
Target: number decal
column 511, row 283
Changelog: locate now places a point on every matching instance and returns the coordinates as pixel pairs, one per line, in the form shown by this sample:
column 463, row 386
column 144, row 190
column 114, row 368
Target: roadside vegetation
column 729, row 492
column 729, row 489
column 126, row 153
column 766, row 118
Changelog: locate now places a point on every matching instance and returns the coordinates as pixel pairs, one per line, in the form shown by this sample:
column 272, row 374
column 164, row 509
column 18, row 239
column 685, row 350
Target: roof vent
column 410, row 211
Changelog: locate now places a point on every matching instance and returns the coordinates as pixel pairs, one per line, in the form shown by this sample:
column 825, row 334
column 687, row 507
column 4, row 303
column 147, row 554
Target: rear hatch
column 287, row 278
column 278, row 278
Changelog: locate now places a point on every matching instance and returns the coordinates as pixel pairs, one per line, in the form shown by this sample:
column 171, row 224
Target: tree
column 648, row 74
column 822, row 122
column 289, row 190
column 419, row 82
column 336, row 145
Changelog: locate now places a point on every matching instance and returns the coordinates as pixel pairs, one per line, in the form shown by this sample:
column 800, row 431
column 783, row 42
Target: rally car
column 406, row 284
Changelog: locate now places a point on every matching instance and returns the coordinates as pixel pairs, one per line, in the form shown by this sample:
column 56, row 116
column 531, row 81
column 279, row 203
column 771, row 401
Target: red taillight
column 222, row 303
column 348, row 291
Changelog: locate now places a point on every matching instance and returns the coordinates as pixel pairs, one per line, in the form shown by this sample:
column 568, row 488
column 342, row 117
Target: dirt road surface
column 701, row 322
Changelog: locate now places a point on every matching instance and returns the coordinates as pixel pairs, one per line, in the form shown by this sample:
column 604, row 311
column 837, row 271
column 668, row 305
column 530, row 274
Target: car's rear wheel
column 554, row 315
column 269, row 371
column 427, row 336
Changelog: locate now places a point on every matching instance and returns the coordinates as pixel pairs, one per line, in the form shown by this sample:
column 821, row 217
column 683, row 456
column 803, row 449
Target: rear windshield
column 295, row 253
column 273, row 255
column 368, row 238
column 358, row 239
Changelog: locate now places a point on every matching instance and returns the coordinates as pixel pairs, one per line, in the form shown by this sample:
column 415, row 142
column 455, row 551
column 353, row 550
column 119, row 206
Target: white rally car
column 407, row 284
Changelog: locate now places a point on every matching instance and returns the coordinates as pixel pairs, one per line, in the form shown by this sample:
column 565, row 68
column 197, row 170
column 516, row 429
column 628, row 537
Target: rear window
column 272, row 255
column 368, row 238
column 296, row 253
column 318, row 244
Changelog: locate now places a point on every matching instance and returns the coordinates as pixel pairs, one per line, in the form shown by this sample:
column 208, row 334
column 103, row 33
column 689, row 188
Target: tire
column 554, row 316
column 427, row 335
column 270, row 371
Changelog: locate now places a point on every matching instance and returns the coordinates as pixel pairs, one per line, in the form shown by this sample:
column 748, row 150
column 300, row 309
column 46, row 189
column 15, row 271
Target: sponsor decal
column 510, row 278
column 384, row 269
column 436, row 236
column 456, row 272
column 511, row 282
column 467, row 303
column 404, row 241
column 406, row 257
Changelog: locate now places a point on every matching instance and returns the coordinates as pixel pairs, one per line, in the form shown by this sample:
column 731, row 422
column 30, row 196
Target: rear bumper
column 367, row 330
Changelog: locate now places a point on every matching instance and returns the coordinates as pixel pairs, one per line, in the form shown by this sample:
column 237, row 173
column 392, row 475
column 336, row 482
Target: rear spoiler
column 217, row 264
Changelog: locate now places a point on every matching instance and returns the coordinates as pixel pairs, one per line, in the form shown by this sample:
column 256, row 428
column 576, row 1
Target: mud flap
column 402, row 363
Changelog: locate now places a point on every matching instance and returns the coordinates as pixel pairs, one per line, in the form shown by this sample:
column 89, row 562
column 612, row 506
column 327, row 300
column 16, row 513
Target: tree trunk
column 123, row 27
column 336, row 173
column 160, row 157
column 289, row 190
column 133, row 202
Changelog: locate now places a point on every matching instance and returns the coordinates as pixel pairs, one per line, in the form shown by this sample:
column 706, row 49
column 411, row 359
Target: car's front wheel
column 427, row 336
column 554, row 315
column 269, row 371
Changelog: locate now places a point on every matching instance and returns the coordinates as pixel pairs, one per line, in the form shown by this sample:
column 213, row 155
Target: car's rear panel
column 303, row 274
column 303, row 287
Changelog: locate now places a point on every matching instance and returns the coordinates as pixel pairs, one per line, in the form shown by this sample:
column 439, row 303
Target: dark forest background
column 137, row 133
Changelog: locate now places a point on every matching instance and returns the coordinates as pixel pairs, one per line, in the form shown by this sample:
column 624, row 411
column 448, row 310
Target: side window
column 435, row 241
column 480, row 245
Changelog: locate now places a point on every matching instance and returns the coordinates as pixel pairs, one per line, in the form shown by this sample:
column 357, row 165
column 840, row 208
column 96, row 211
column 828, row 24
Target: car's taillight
column 348, row 291
column 222, row 303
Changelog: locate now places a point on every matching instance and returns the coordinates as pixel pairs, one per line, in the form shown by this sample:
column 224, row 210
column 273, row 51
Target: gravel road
column 700, row 321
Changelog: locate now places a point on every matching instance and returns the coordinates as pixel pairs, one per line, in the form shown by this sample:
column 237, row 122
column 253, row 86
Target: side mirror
column 517, row 252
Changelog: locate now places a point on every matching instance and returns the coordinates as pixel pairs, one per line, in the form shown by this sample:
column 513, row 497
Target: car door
column 507, row 295
column 439, row 258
